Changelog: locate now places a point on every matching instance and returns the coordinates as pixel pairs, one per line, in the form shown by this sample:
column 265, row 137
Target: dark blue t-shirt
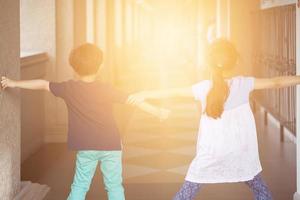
column 90, row 114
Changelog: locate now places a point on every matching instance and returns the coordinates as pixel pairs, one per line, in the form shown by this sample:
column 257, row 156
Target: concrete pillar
column 297, row 194
column 100, row 27
column 85, row 20
column 80, row 19
column 90, row 21
column 101, row 36
column 128, row 22
column 118, row 23
column 9, row 100
column 56, row 112
column 223, row 18
column 64, row 39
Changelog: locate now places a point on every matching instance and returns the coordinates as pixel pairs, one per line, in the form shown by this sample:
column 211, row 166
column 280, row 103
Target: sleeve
column 247, row 84
column 200, row 89
column 57, row 89
column 118, row 96
column 244, row 86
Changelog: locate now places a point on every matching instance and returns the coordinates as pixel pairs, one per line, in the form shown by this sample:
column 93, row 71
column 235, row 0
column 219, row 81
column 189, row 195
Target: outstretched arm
column 159, row 94
column 276, row 82
column 160, row 113
column 28, row 84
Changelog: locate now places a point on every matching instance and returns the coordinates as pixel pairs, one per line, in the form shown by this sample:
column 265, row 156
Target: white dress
column 227, row 149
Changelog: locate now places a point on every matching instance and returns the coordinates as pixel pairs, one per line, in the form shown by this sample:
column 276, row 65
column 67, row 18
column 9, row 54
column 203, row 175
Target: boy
column 92, row 129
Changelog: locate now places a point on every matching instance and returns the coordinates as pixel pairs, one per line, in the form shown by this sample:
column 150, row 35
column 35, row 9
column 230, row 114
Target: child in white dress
column 227, row 149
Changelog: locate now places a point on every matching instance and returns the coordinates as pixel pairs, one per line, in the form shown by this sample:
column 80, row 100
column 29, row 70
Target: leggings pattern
column 259, row 188
column 189, row 190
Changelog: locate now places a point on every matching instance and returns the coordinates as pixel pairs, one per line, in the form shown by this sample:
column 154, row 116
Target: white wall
column 9, row 100
column 37, row 23
column 38, row 34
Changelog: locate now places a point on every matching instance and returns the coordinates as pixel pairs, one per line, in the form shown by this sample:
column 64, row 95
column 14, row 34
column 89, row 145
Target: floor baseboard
column 296, row 196
column 32, row 191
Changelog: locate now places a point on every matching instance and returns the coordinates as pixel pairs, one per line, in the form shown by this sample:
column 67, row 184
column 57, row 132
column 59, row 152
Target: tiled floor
column 156, row 158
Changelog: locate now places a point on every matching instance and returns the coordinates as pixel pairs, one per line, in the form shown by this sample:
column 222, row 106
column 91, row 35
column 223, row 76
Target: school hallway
column 156, row 158
column 146, row 45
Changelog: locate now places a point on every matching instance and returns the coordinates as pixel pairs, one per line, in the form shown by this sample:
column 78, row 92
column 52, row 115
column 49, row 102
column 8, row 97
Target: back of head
column 86, row 59
column 222, row 56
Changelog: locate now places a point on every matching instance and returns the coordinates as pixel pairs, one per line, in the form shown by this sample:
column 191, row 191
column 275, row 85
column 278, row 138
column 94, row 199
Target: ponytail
column 217, row 95
column 222, row 56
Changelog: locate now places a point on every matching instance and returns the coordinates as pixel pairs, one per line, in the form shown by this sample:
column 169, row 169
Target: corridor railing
column 274, row 54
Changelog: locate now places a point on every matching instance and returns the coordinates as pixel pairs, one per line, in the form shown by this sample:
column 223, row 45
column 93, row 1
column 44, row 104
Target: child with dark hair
column 227, row 149
column 92, row 130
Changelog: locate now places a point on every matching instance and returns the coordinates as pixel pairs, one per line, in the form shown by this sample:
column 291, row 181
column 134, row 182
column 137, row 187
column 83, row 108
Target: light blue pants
column 111, row 167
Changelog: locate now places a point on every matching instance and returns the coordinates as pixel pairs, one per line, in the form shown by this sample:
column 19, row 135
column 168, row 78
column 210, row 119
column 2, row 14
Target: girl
column 227, row 149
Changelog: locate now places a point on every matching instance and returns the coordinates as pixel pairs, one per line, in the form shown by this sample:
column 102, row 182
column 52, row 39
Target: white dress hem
column 190, row 179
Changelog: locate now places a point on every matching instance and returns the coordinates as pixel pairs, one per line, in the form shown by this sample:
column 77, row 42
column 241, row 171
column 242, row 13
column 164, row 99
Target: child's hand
column 136, row 98
column 6, row 82
column 164, row 114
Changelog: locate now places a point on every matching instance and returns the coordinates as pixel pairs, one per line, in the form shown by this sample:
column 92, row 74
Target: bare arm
column 28, row 84
column 276, row 82
column 160, row 94
column 160, row 113
column 170, row 93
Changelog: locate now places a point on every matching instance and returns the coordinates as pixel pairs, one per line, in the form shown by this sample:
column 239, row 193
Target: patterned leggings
column 260, row 190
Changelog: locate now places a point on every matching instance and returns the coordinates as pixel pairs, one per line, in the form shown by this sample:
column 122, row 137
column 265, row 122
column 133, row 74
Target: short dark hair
column 86, row 59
